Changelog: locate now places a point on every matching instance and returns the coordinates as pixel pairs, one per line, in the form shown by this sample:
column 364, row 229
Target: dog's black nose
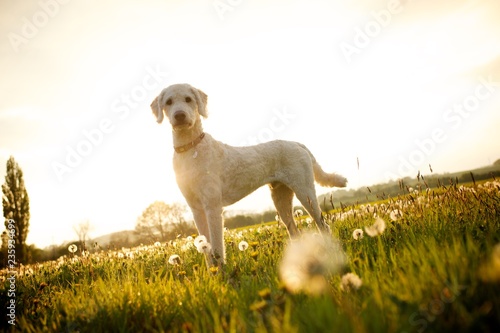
column 180, row 116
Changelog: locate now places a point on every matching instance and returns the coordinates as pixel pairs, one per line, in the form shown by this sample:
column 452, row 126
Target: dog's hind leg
column 283, row 201
column 307, row 198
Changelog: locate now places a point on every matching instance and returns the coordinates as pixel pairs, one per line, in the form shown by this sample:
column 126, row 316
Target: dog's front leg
column 216, row 229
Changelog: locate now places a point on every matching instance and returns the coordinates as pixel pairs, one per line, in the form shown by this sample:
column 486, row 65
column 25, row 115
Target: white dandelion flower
column 204, row 248
column 72, row 248
column 308, row 261
column 202, row 245
column 357, row 234
column 200, row 239
column 396, row 214
column 243, row 246
column 157, row 244
column 174, row 260
column 376, row 229
column 350, row 281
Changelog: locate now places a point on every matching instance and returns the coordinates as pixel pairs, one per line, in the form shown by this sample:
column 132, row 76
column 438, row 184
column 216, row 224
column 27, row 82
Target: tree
column 16, row 207
column 496, row 163
column 82, row 231
column 157, row 220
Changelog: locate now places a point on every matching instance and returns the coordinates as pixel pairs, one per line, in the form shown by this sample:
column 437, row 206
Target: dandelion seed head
column 350, row 281
column 174, row 260
column 308, row 260
column 200, row 239
column 157, row 244
column 357, row 234
column 396, row 214
column 203, row 246
column 298, row 213
column 72, row 248
column 376, row 229
column 243, row 246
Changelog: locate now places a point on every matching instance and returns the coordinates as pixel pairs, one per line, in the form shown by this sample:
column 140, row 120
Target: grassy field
column 434, row 266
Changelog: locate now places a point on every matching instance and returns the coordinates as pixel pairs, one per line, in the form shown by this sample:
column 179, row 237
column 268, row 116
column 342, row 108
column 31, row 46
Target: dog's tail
column 323, row 178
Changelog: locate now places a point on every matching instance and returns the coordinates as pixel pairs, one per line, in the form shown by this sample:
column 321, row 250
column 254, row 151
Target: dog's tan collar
column 192, row 144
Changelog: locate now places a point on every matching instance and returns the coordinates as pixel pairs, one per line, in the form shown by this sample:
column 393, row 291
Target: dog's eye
column 188, row 99
column 169, row 101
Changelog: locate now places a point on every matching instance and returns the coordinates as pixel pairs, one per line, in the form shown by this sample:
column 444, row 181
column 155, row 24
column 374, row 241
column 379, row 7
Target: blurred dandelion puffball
column 243, row 246
column 174, row 259
column 357, row 234
column 202, row 245
column 308, row 261
column 396, row 214
column 350, row 281
column 376, row 229
column 72, row 248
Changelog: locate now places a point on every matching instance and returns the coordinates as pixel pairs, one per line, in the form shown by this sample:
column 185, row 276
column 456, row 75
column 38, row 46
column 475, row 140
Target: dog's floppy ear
column 157, row 109
column 201, row 100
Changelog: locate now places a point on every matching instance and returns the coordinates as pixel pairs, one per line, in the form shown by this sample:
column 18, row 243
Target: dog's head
column 182, row 104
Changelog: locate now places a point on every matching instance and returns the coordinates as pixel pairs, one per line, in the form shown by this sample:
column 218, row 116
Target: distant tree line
column 395, row 188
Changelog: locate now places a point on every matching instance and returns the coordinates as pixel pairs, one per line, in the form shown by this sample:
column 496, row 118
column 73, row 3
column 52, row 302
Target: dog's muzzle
column 180, row 118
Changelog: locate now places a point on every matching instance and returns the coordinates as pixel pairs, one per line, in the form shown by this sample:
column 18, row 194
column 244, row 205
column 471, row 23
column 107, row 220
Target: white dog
column 212, row 175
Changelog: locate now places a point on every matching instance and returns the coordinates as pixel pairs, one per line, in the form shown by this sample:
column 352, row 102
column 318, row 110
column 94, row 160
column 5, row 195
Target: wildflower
column 174, row 260
column 254, row 254
column 243, row 246
column 307, row 261
column 130, row 255
column 120, row 255
column 298, row 213
column 357, row 234
column 72, row 248
column 376, row 229
column 200, row 239
column 396, row 214
column 187, row 246
column 265, row 293
column 202, row 245
column 258, row 306
column 157, row 244
column 350, row 281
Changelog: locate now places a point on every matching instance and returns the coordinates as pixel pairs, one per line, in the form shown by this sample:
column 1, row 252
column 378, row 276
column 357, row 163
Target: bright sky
column 397, row 84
